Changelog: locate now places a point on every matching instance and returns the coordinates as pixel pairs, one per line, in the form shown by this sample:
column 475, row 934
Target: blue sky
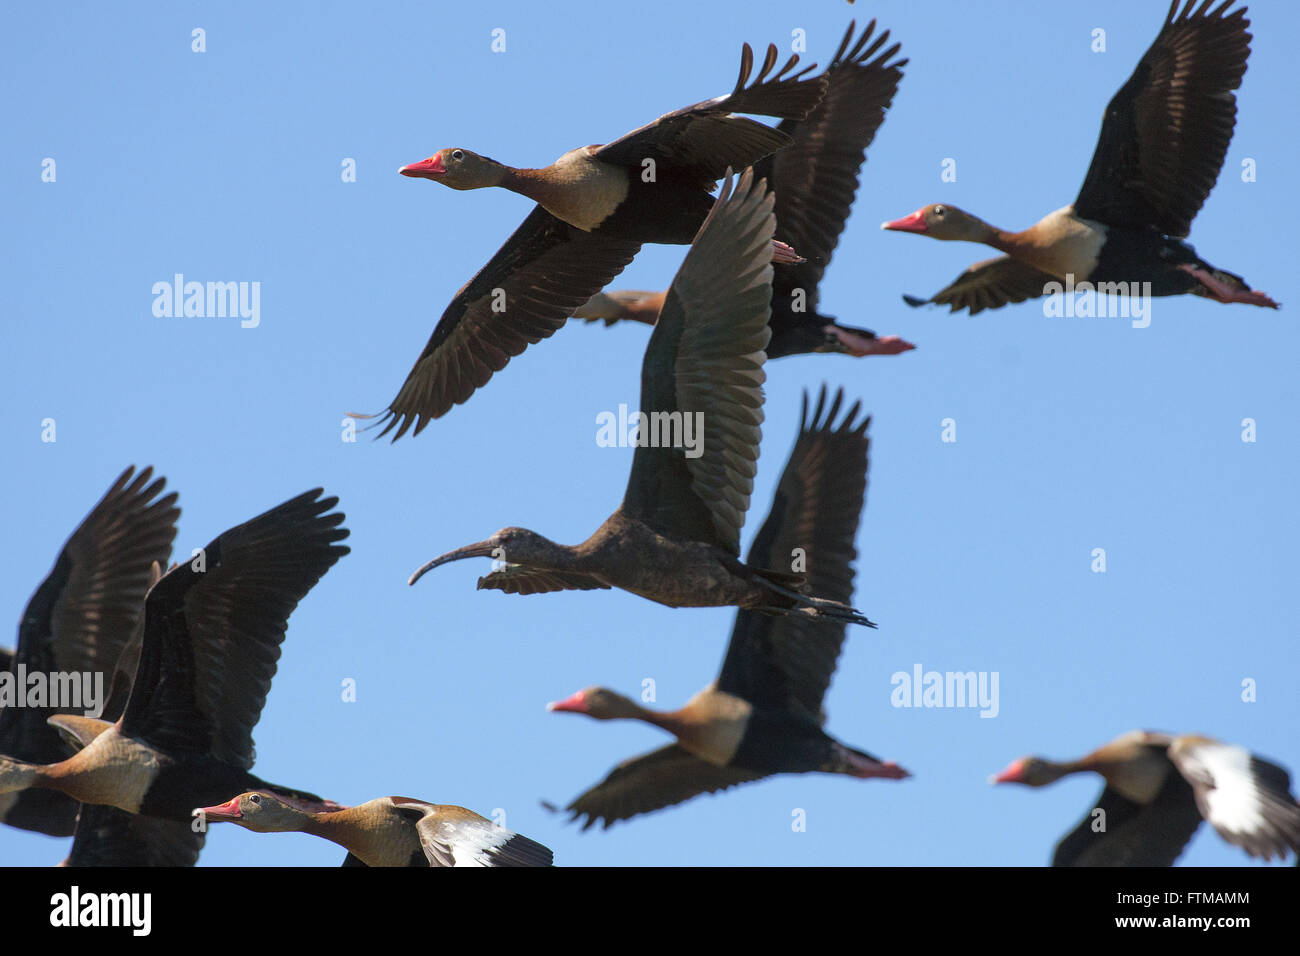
column 1072, row 434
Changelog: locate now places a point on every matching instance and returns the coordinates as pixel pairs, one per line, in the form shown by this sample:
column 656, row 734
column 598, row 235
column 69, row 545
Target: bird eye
column 255, row 800
column 457, row 154
column 938, row 210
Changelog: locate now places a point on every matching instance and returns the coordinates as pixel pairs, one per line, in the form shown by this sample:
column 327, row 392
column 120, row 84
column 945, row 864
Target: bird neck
column 546, row 554
column 533, row 183
column 18, row 775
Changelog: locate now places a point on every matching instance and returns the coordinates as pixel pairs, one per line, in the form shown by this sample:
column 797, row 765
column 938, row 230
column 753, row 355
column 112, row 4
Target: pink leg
column 1225, row 293
column 860, row 345
column 785, row 254
column 864, row 767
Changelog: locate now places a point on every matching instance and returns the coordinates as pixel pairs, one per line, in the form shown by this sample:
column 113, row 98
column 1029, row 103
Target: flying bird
column 764, row 713
column 1158, row 789
column 1163, row 140
column 200, row 665
column 77, row 623
column 675, row 539
column 391, row 831
column 596, row 206
column 815, row 180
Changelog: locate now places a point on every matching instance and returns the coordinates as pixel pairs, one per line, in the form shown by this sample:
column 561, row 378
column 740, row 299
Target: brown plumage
column 207, row 647
column 78, row 621
column 595, row 210
column 390, row 831
column 1162, row 145
column 675, row 539
column 1158, row 789
column 764, row 713
column 815, row 179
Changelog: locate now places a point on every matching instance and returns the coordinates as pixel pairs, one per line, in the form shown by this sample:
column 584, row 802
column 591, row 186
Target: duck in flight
column 815, row 180
column 675, row 539
column 1163, row 140
column 764, row 713
column 596, row 206
column 189, row 687
column 78, row 622
column 1158, row 789
column 390, row 831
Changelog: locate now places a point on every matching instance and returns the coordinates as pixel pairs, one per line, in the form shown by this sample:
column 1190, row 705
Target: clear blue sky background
column 1073, row 434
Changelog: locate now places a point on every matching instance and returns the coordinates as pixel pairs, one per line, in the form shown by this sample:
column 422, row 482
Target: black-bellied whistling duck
column 1163, row 141
column 391, row 831
column 675, row 539
column 77, row 623
column 207, row 647
column 764, row 713
column 596, row 206
column 1158, row 788
column 815, row 180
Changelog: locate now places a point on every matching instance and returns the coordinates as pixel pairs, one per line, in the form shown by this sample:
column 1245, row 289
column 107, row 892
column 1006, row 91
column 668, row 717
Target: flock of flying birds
column 189, row 655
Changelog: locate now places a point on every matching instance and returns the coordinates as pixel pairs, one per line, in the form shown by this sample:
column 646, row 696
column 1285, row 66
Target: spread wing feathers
column 990, row 284
column 545, row 270
column 699, row 142
column 85, row 610
column 212, row 636
column 652, row 781
column 705, row 360
column 107, row 836
column 471, row 840
column 816, row 177
column 1167, row 130
column 1247, row 799
column 1153, row 834
column 520, row 579
column 786, row 662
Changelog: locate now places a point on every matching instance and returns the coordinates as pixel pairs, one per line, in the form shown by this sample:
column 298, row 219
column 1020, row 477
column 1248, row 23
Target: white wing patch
column 1225, row 788
column 463, row 843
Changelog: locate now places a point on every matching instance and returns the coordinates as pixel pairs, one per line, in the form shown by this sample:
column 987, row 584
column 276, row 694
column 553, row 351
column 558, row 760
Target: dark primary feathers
column 545, row 270
column 1134, row 834
column 1167, row 130
column 706, row 356
column 816, row 177
column 107, row 836
column 80, row 618
column 195, row 677
column 989, row 284
column 786, row 662
column 212, row 638
column 548, row 268
column 652, row 781
column 699, row 142
column 782, row 663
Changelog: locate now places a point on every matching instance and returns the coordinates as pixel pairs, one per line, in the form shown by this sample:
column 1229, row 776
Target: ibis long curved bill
column 484, row 549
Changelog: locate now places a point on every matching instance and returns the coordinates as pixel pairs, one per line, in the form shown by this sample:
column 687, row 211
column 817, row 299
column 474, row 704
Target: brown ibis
column 764, row 714
column 675, row 539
